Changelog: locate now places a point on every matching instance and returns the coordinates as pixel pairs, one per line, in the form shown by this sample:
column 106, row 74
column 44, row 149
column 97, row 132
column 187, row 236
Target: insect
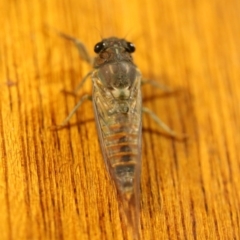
column 117, row 101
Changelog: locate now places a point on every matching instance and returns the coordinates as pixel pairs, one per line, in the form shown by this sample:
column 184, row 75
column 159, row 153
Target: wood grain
column 53, row 184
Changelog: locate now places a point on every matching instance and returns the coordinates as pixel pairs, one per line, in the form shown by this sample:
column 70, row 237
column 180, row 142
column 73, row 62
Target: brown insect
column 117, row 101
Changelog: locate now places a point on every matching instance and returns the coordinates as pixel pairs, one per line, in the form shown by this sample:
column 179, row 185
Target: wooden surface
column 53, row 184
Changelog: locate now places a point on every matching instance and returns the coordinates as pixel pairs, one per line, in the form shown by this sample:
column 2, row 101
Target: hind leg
column 162, row 125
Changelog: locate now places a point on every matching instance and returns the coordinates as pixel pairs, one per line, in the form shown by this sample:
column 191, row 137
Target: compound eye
column 130, row 47
column 99, row 47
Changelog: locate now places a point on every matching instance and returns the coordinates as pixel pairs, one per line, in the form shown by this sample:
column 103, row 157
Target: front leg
column 80, row 46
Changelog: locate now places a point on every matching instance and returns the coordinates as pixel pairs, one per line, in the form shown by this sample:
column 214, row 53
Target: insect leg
column 83, row 99
column 162, row 124
column 80, row 46
column 74, row 92
column 82, row 82
column 156, row 84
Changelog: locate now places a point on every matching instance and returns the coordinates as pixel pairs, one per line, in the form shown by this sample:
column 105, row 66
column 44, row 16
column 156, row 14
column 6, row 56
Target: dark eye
column 131, row 47
column 99, row 47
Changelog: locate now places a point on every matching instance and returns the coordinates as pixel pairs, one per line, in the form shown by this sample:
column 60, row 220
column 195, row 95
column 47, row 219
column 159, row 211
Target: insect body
column 118, row 111
column 117, row 106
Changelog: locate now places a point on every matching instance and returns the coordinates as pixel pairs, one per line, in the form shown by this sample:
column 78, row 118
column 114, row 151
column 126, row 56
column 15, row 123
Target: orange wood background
column 53, row 184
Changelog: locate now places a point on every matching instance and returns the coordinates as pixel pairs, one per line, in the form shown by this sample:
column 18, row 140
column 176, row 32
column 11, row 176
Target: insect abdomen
column 122, row 146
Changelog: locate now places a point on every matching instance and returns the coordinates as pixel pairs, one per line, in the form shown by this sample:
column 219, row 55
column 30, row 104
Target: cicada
column 117, row 101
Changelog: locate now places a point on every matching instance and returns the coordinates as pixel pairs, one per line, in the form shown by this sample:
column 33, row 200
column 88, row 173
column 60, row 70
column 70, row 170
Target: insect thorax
column 119, row 78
